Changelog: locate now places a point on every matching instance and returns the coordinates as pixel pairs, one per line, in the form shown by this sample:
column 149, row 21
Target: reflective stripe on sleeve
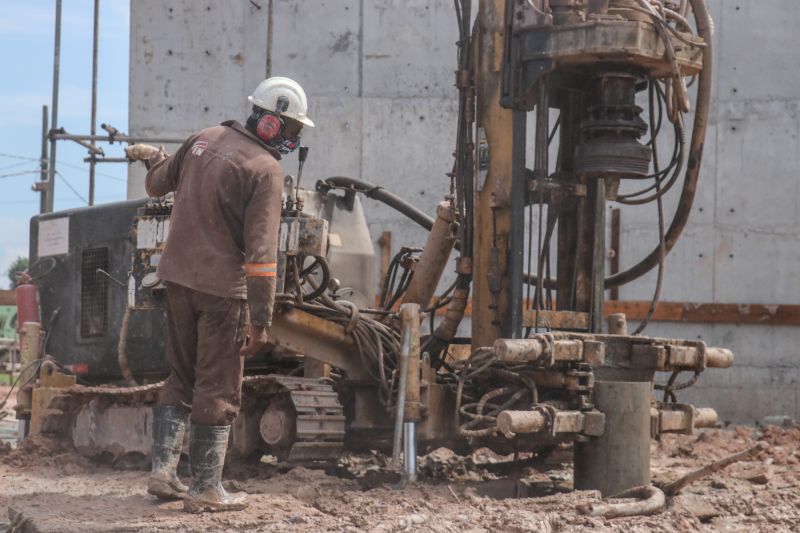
column 265, row 270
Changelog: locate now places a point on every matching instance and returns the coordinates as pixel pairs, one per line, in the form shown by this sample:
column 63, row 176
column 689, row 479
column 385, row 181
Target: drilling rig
column 349, row 369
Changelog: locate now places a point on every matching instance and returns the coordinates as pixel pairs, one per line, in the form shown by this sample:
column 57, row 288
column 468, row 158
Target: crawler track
column 298, row 420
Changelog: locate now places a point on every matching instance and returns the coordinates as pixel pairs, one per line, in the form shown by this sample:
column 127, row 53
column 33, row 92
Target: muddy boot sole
column 201, row 505
column 164, row 490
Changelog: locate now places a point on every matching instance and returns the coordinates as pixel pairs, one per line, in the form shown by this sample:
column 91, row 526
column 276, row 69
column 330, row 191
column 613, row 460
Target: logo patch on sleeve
column 199, row 147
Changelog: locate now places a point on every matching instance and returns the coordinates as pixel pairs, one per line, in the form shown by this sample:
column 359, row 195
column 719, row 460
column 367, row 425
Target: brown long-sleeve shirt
column 226, row 215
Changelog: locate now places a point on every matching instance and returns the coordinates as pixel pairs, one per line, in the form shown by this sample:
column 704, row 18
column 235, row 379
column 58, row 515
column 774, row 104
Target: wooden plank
column 710, row 313
column 7, row 297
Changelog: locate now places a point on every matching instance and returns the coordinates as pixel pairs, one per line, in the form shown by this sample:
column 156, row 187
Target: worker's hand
column 141, row 152
column 256, row 340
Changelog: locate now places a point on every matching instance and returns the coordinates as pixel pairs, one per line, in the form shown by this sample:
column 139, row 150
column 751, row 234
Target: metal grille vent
column 94, row 293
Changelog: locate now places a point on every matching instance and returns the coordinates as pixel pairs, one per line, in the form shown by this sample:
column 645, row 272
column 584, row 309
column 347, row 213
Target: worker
column 219, row 264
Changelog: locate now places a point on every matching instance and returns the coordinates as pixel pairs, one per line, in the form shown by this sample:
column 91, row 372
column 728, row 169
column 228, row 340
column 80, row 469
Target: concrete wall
column 379, row 74
column 742, row 244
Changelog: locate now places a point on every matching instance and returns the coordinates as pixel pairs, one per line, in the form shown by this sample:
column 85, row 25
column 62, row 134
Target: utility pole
column 51, row 169
column 41, row 186
column 92, row 155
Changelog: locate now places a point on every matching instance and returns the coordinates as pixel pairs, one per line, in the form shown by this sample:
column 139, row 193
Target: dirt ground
column 46, row 489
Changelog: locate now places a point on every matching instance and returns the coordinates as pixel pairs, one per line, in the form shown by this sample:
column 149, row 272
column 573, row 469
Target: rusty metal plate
column 556, row 319
column 633, row 42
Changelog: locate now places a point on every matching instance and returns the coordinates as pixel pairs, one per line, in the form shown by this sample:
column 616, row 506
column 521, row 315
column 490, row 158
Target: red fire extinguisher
column 27, row 296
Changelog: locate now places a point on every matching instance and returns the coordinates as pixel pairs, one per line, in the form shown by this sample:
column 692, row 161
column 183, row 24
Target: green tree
column 18, row 265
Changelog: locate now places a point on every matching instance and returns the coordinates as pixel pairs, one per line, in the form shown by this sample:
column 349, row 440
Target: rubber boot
column 169, row 426
column 207, row 447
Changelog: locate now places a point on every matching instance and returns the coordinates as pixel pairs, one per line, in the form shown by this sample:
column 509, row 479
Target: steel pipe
column 400, row 404
column 410, row 451
column 619, row 459
column 93, row 129
column 130, row 139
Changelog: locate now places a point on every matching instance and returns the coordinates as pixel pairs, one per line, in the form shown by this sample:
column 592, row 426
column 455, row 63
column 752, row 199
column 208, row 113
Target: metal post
column 616, row 223
column 409, row 314
column 94, row 96
column 519, row 194
column 61, row 135
column 492, row 223
column 41, row 187
column 597, row 195
column 51, row 169
column 410, row 451
column 401, row 395
column 569, row 217
column 30, row 342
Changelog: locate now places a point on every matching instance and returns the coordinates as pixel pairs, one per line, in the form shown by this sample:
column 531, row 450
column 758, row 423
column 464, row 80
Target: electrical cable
column 15, row 165
column 15, row 156
column 678, row 159
column 20, row 173
column 69, row 185
column 659, row 201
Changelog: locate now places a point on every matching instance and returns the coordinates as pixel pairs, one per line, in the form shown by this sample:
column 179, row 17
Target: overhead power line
column 69, row 185
column 15, row 156
column 10, row 174
column 69, row 165
column 15, row 165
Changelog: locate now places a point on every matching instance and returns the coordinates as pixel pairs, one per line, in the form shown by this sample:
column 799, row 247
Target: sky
column 26, row 84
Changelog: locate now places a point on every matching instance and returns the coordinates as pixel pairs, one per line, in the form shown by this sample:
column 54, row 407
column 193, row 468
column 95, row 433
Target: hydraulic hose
column 380, row 194
column 704, row 30
column 376, row 192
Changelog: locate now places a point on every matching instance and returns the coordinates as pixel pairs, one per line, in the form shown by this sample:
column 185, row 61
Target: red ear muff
column 268, row 127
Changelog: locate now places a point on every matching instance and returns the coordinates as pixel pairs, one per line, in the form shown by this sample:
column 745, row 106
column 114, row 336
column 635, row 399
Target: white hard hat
column 284, row 97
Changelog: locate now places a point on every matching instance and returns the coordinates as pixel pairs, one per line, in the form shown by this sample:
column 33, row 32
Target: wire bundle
column 510, row 389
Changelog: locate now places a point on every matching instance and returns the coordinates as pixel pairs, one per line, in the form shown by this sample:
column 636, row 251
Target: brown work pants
column 205, row 334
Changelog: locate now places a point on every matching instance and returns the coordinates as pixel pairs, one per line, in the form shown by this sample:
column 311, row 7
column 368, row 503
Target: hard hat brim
column 305, row 120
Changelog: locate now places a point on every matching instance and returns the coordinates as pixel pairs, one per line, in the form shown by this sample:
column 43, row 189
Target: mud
column 48, row 489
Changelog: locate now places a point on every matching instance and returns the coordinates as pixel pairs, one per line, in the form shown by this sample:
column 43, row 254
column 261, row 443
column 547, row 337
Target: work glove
column 141, row 152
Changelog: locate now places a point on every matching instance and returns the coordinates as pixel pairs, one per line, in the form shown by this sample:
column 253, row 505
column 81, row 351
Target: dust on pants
column 205, row 334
